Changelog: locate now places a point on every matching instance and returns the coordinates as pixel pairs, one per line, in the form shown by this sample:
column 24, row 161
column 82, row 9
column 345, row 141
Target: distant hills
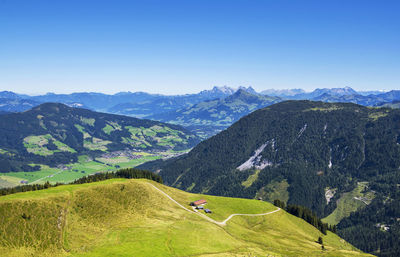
column 394, row 104
column 139, row 104
column 369, row 100
column 300, row 94
column 209, row 117
column 339, row 159
column 344, row 95
column 190, row 110
column 16, row 104
column 330, row 91
column 54, row 133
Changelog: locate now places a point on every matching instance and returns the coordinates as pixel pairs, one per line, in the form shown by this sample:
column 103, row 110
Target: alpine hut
column 198, row 202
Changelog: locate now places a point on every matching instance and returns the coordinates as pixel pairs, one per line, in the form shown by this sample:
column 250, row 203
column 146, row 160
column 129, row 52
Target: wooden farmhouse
column 198, row 202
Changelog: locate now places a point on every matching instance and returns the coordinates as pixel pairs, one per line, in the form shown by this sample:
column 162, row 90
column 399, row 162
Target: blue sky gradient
column 175, row 47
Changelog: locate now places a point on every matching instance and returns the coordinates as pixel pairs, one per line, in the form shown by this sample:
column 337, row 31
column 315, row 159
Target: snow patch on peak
column 224, row 89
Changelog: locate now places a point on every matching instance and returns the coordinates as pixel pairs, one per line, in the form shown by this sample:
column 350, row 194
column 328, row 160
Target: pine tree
column 47, row 184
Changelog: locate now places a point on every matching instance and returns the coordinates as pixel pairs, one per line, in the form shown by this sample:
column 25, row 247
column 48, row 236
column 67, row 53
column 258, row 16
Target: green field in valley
column 85, row 166
column 122, row 217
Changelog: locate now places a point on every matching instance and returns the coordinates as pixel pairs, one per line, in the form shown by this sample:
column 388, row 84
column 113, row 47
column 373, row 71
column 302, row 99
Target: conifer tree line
column 129, row 173
column 307, row 215
column 122, row 173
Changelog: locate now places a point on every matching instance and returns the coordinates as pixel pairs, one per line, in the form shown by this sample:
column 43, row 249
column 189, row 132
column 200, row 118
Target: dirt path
column 223, row 223
column 252, row 215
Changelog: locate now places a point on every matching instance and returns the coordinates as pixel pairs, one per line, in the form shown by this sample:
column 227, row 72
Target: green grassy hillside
column 132, row 218
column 53, row 134
column 56, row 143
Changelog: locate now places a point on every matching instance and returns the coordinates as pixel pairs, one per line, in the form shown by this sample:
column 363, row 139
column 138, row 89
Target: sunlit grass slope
column 350, row 202
column 131, row 218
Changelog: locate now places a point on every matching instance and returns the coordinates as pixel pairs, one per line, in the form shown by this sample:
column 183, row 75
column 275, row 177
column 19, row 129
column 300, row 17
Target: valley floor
column 85, row 166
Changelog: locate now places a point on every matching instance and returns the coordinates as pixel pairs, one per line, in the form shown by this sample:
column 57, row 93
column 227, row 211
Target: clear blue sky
column 186, row 46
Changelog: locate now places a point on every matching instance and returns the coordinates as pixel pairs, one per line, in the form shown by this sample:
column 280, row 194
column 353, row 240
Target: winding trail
column 252, row 215
column 222, row 223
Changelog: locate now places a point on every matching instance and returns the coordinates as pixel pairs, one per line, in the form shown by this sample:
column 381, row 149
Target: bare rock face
column 329, row 194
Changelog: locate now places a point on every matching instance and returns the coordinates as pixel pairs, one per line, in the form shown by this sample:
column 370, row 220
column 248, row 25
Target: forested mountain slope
column 121, row 217
column 336, row 159
column 55, row 133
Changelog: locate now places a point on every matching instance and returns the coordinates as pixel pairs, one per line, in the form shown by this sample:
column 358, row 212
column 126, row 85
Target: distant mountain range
column 300, row 94
column 322, row 91
column 209, row 117
column 140, row 104
column 370, row 100
column 121, row 103
column 206, row 112
column 54, row 133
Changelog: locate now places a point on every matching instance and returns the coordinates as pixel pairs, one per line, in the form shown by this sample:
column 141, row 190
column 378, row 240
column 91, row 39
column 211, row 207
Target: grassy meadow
column 122, row 217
